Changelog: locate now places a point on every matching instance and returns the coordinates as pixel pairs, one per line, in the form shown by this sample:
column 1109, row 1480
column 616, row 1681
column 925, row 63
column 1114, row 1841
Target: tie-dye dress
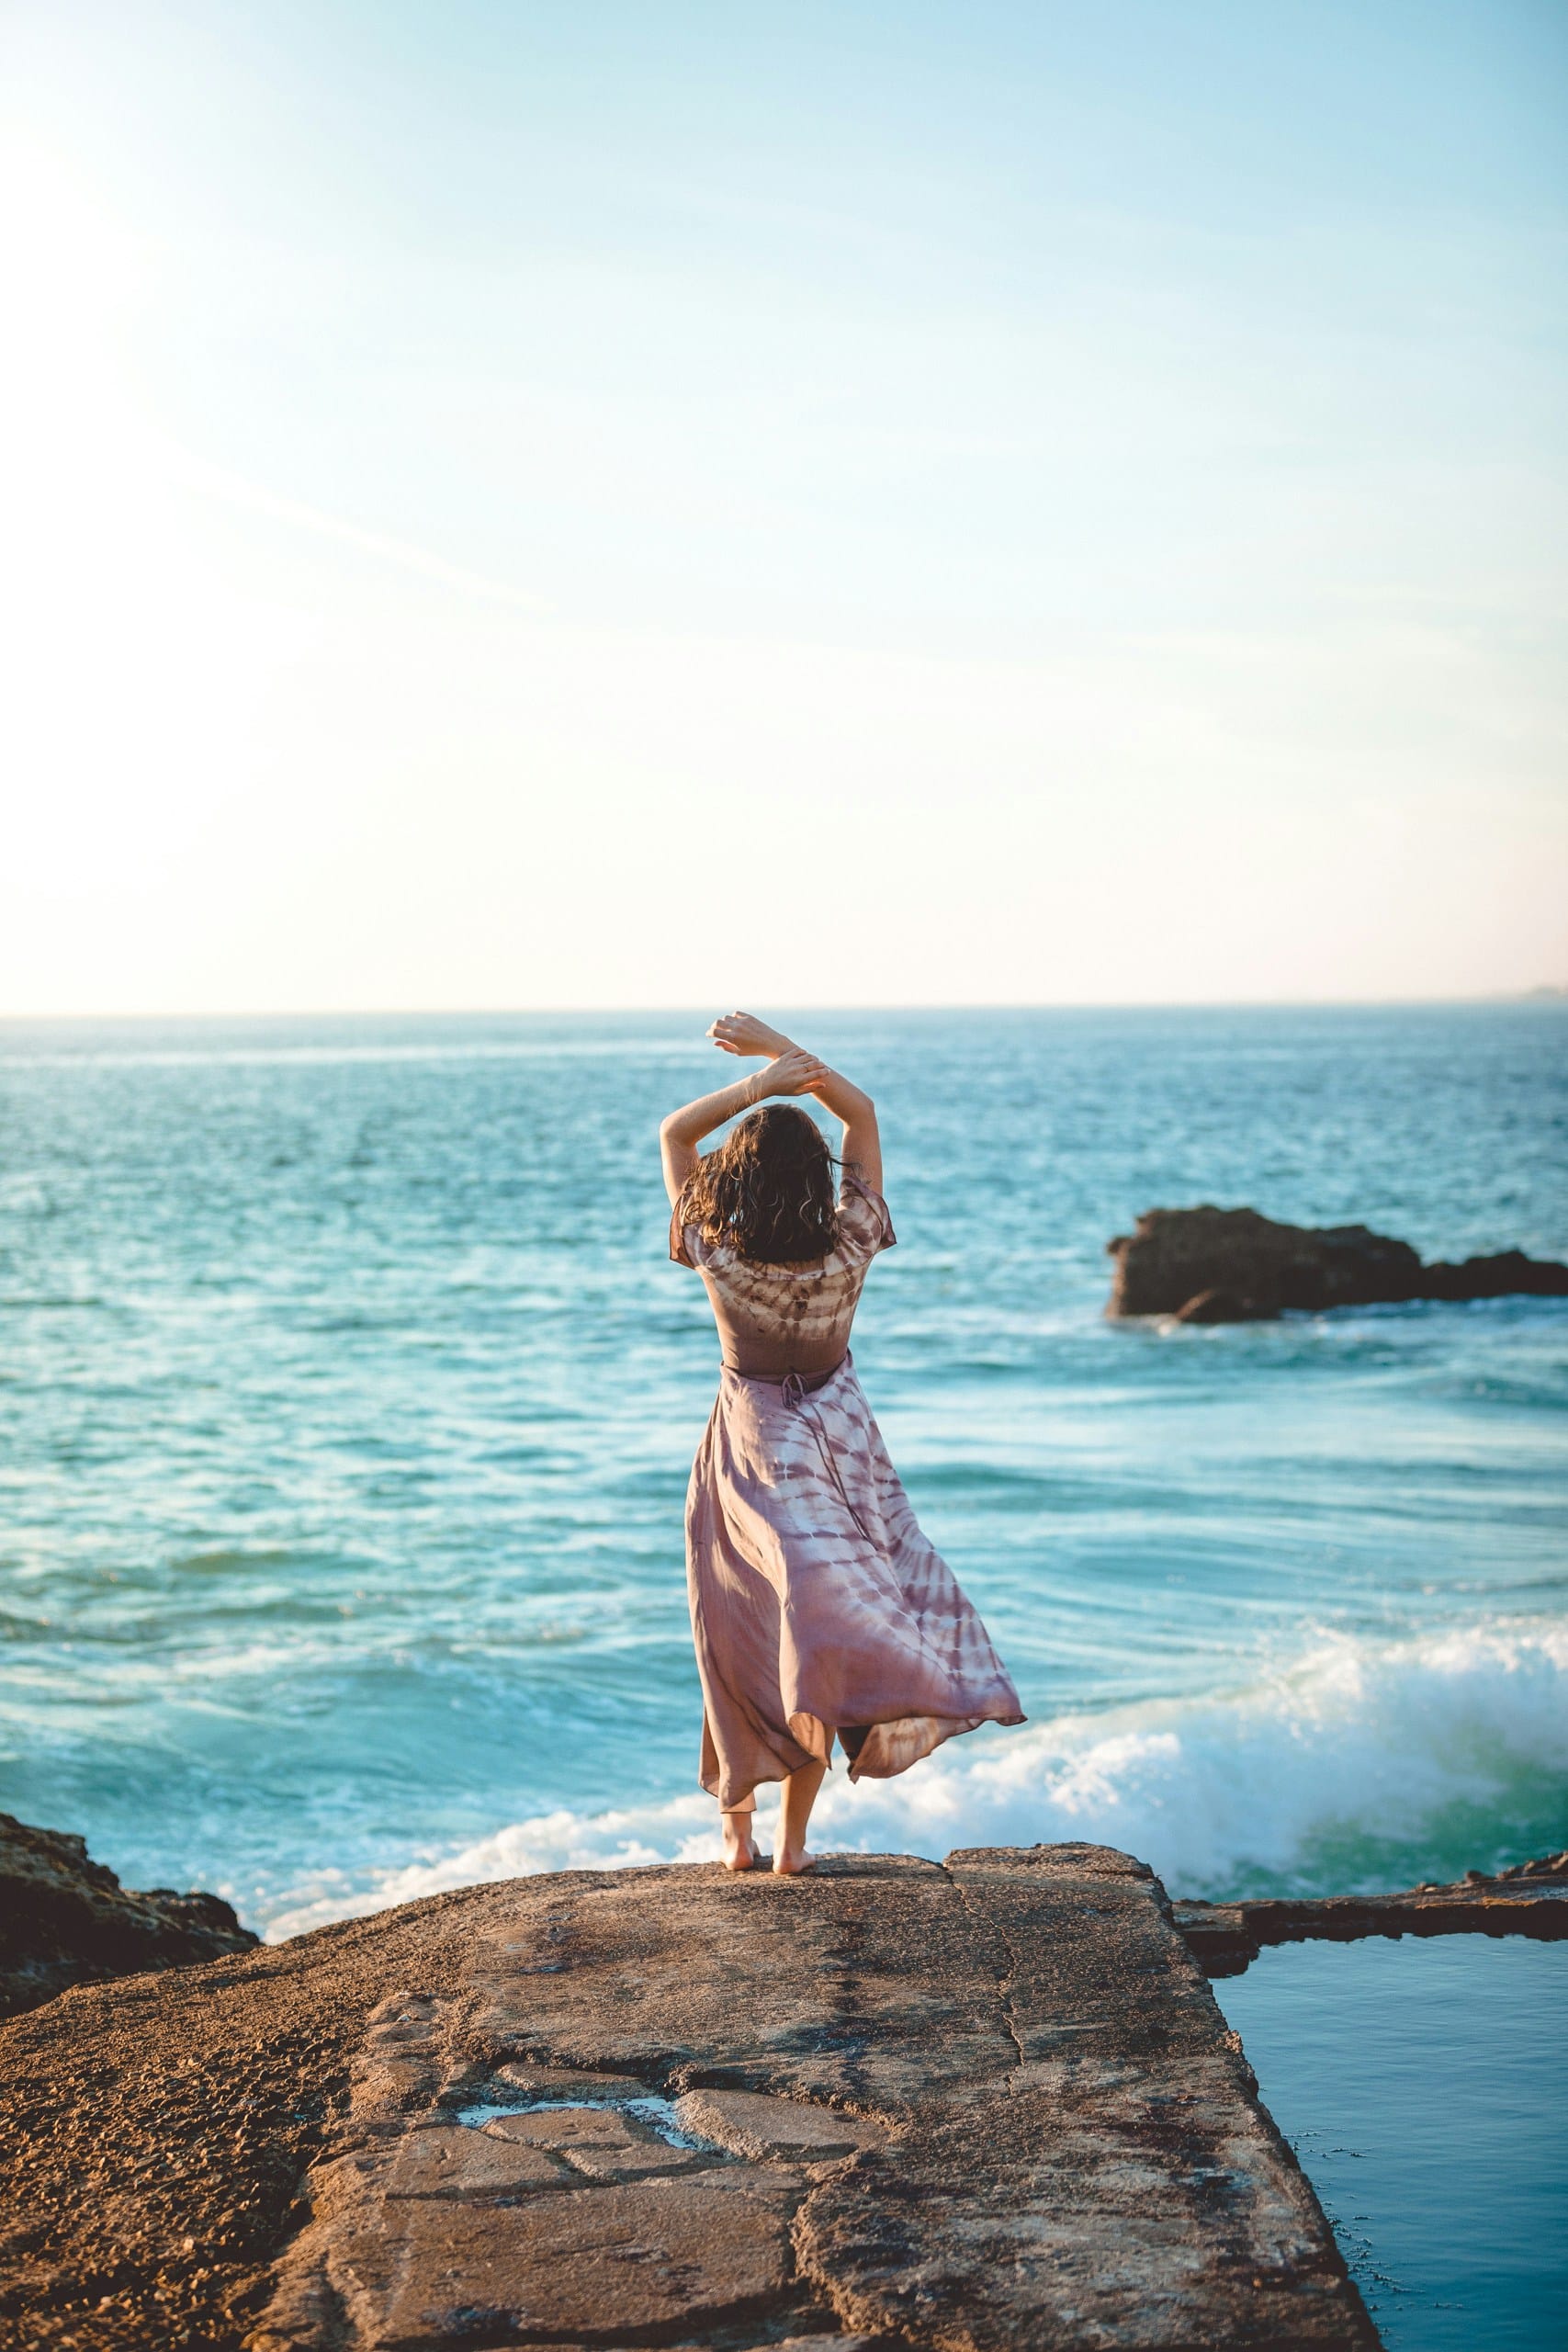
column 817, row 1606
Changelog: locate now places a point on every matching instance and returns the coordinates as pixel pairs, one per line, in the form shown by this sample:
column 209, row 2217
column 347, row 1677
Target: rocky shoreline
column 962, row 2106
column 810, row 2111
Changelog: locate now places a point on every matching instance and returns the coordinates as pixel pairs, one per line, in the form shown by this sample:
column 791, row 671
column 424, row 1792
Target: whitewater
column 1410, row 1750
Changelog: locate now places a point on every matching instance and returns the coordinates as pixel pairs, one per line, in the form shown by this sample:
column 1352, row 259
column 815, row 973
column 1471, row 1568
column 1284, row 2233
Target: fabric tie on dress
column 794, row 1388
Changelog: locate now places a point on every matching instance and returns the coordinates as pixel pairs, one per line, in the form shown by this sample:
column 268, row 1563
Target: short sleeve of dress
column 864, row 1226
column 685, row 1242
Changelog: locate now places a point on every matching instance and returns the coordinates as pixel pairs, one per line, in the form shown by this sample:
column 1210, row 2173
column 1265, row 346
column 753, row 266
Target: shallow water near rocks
column 1423, row 2086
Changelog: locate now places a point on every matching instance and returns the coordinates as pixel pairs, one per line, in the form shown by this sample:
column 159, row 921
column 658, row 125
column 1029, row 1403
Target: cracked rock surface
column 985, row 2103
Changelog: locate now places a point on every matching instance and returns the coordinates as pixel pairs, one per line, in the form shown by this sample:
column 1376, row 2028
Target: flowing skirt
column 817, row 1606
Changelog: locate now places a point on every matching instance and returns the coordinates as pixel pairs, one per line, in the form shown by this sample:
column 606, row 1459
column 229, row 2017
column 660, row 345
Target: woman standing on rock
column 817, row 1606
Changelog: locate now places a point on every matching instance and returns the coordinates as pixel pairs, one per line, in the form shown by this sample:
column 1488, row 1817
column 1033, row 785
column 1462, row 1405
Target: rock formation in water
column 1210, row 1265
column 928, row 2108
column 65, row 1919
column 1530, row 1899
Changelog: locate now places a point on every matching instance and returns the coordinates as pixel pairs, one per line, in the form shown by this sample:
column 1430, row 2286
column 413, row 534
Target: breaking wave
column 1363, row 1764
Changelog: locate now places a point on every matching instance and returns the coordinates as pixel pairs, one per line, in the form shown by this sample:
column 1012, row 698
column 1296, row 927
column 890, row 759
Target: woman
column 819, row 1609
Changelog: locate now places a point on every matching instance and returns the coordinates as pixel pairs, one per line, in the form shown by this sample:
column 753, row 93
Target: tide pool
column 1422, row 2086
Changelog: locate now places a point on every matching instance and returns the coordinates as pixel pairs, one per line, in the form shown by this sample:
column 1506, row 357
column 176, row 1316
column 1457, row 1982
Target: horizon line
column 1544, row 992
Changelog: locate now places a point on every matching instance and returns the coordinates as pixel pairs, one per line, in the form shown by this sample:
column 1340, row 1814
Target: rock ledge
column 1530, row 1899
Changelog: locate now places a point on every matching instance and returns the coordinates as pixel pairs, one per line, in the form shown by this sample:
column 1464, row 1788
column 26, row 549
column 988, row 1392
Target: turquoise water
column 1423, row 2086
column 347, row 1399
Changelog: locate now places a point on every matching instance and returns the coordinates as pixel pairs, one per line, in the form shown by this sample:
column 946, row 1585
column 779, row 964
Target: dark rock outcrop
column 959, row 2106
column 1530, row 1899
column 1210, row 1265
column 65, row 1919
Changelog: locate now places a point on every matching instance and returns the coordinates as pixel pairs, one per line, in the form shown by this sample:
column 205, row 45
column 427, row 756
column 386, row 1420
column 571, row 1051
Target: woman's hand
column 794, row 1072
column 791, row 1070
column 743, row 1032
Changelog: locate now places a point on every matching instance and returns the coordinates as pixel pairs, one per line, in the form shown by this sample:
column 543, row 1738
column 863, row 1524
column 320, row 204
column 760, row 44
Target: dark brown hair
column 767, row 1190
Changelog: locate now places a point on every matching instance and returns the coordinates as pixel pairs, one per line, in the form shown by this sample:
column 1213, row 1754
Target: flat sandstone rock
column 980, row 2104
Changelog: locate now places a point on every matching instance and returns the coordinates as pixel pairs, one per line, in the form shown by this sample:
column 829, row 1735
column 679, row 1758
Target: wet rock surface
column 1530, row 1899
column 65, row 1919
column 1211, row 1265
column 989, row 2102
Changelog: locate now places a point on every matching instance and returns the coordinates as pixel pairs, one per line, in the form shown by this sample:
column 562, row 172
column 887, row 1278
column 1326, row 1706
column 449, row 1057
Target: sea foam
column 1362, row 1763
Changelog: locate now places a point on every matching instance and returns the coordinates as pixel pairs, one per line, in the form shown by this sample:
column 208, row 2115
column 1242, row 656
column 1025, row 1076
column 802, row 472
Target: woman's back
column 775, row 1319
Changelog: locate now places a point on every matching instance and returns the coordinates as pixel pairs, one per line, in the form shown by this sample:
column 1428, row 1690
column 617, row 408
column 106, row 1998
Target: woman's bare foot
column 796, row 1799
column 740, row 1846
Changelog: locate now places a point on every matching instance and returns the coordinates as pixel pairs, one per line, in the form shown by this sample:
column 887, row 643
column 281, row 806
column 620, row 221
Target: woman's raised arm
column 790, row 1071
column 743, row 1032
column 860, row 1150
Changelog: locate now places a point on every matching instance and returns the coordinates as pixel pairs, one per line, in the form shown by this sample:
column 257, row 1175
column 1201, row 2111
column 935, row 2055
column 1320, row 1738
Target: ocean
column 347, row 1399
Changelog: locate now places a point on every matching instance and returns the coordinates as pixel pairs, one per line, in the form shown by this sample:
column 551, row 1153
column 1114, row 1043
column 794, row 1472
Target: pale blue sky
column 570, row 504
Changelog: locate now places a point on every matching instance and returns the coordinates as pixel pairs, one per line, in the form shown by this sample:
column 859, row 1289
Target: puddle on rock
column 659, row 2114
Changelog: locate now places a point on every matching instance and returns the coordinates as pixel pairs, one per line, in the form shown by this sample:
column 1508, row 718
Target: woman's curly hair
column 767, row 1190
